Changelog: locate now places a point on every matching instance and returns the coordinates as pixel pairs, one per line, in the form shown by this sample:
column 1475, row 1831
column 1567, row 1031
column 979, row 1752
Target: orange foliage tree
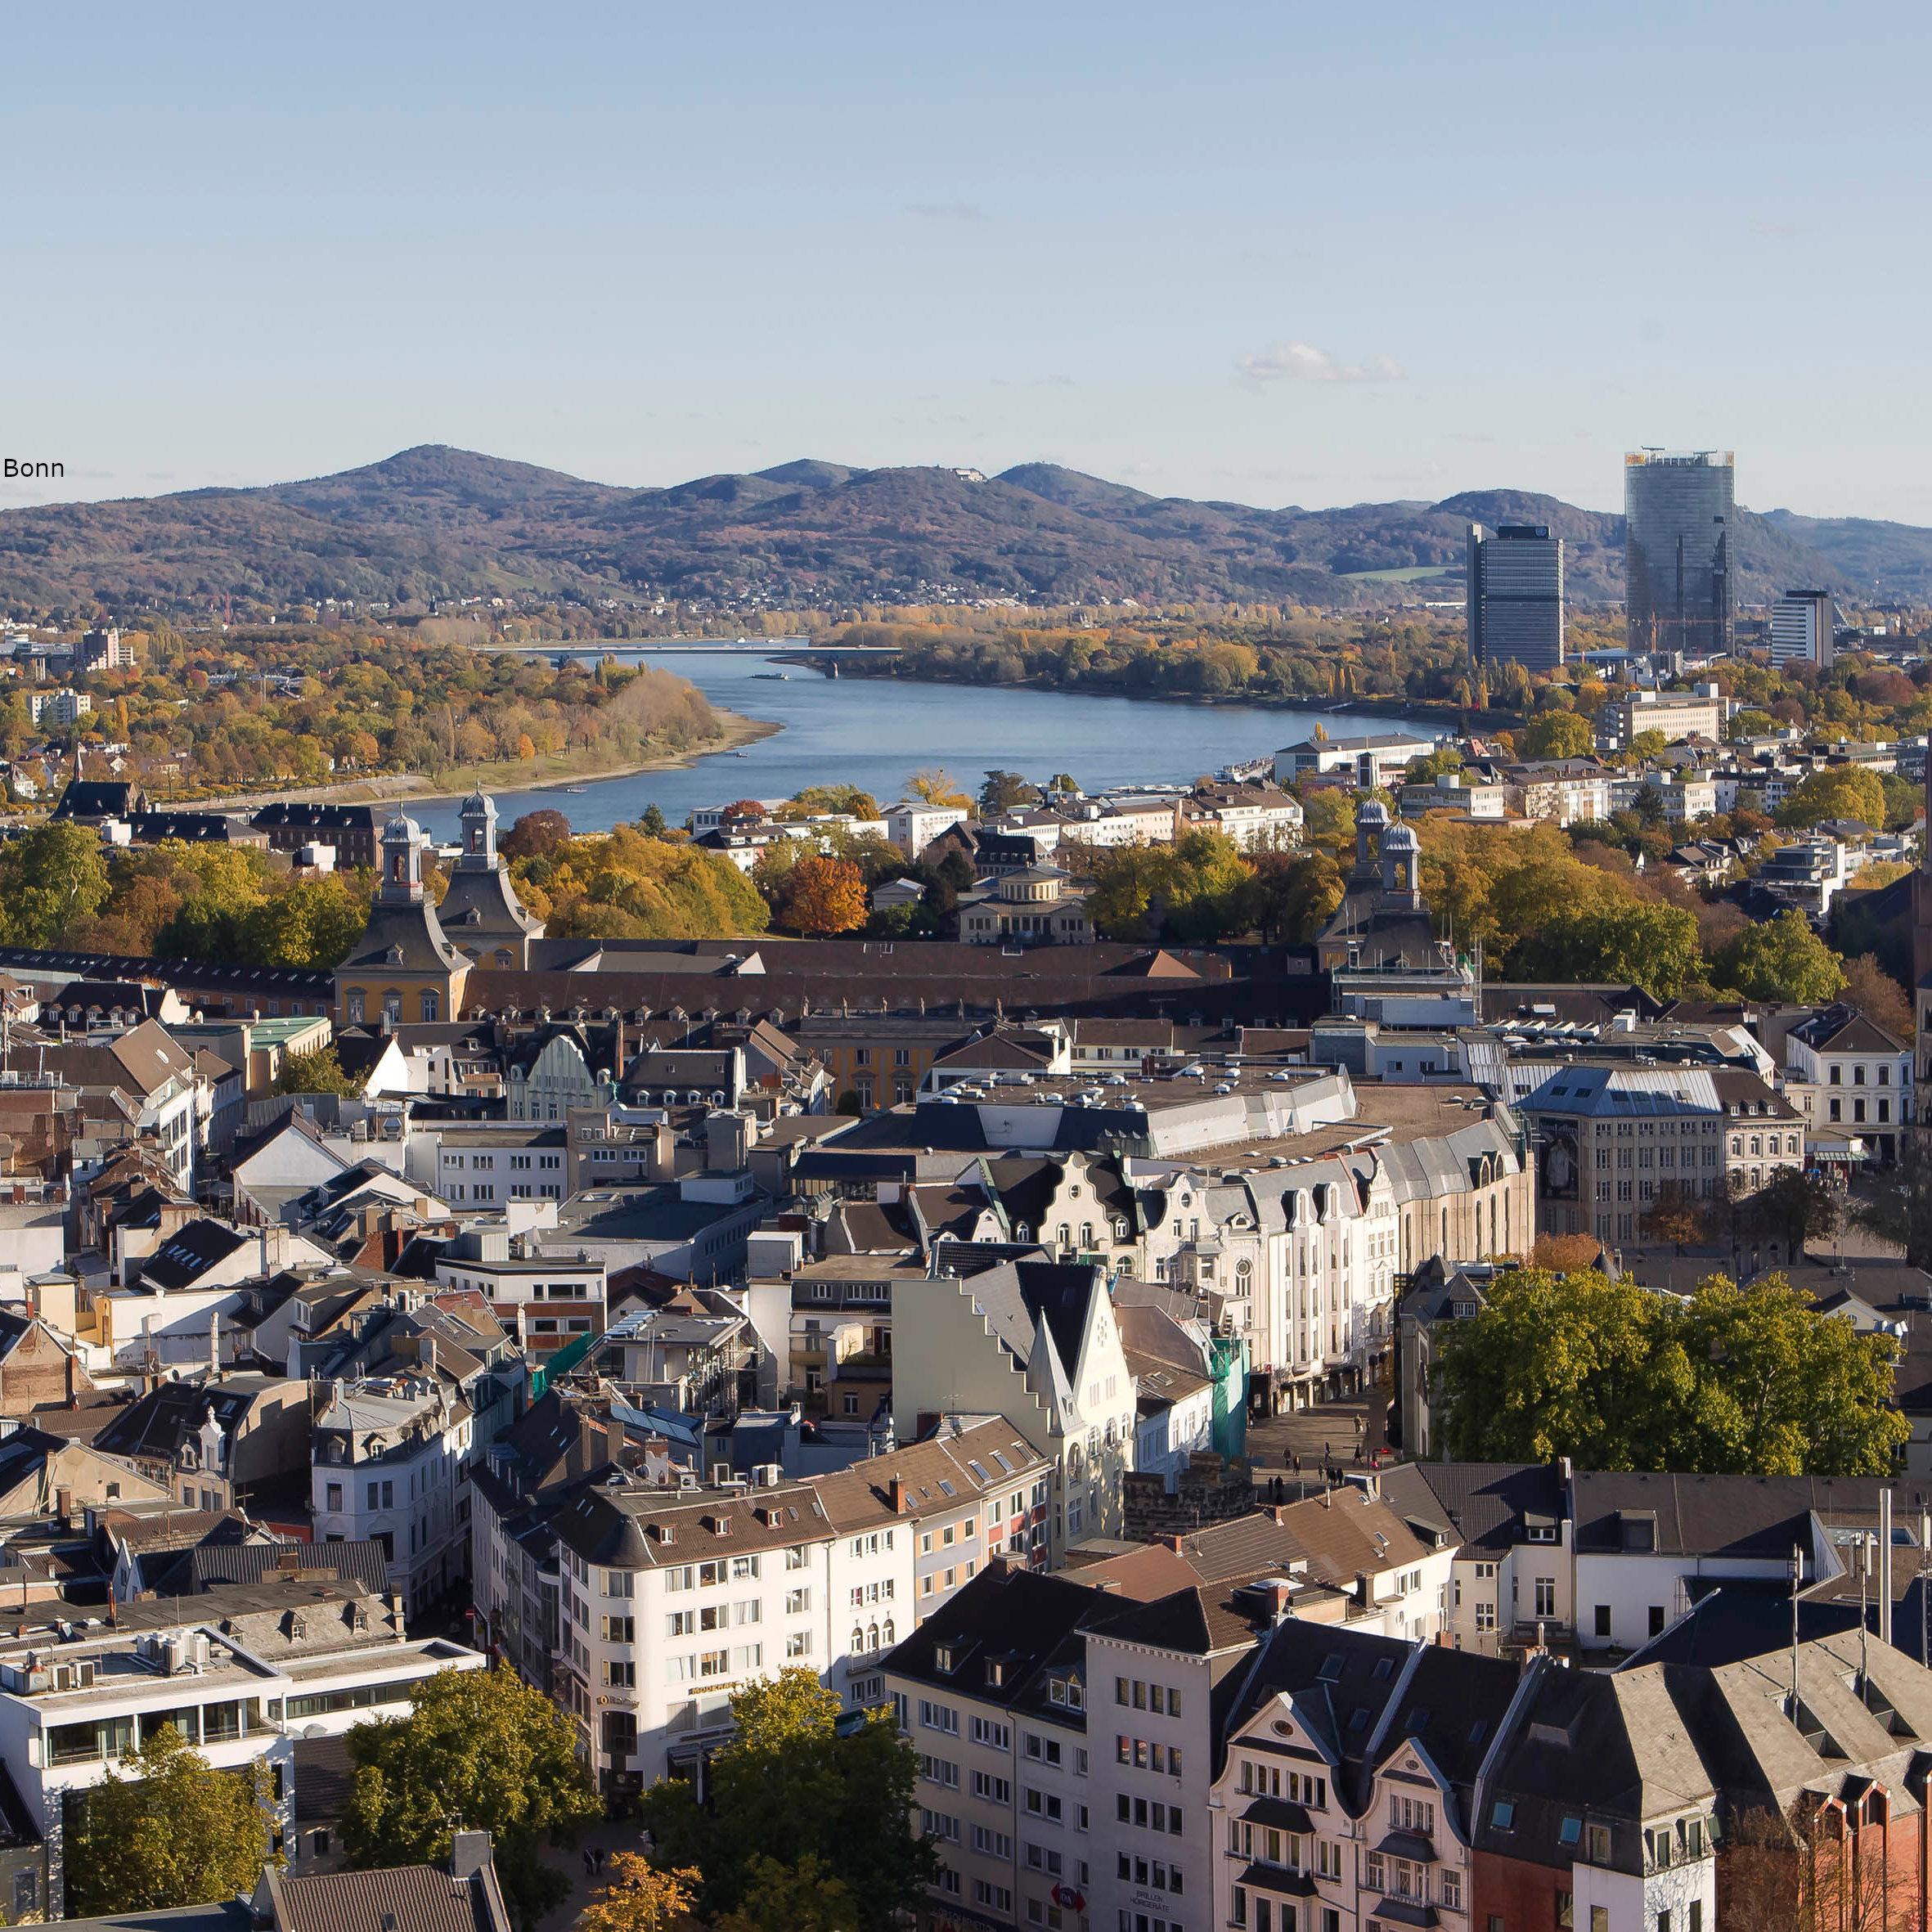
column 823, row 895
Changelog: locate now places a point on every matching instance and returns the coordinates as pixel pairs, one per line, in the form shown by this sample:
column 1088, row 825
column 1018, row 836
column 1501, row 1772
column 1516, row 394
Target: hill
column 436, row 522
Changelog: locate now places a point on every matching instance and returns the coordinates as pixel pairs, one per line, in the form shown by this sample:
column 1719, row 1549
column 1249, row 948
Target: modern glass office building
column 1515, row 595
column 1679, row 508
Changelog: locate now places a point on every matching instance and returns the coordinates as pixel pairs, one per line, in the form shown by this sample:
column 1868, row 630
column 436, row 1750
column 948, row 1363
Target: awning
column 1278, row 1878
column 1282, row 1812
column 1409, row 1844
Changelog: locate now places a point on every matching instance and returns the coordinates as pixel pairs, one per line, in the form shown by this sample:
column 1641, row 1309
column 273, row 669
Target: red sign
column 1069, row 1898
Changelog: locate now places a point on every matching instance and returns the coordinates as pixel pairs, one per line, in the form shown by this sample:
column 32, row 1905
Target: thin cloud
column 1775, row 228
column 1301, row 361
column 944, row 211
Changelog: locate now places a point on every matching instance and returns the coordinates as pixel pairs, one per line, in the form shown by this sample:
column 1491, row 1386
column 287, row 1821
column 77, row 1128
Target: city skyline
column 1278, row 263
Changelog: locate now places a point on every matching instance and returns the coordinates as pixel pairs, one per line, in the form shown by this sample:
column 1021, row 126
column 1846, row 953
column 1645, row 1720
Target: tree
column 1781, row 959
column 1876, row 994
column 1004, row 792
column 653, row 823
column 53, row 877
column 1837, row 791
column 1291, row 895
column 311, row 923
column 1329, row 820
column 805, row 1898
column 482, row 1751
column 1618, row 943
column 177, row 1832
column 823, row 895
column 535, row 835
column 1558, row 735
column 1791, row 1208
column 789, row 1792
column 1894, row 1204
column 1646, row 744
column 1676, row 1215
column 1739, row 1380
column 936, row 786
column 639, row 1897
column 319, row 1072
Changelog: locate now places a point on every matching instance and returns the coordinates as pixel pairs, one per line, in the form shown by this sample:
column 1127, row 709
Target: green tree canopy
column 1836, row 792
column 319, row 1072
column 176, row 1832
column 1616, row 940
column 53, row 877
column 1735, row 1380
column 1558, row 735
column 1780, row 959
column 482, row 1751
column 796, row 1811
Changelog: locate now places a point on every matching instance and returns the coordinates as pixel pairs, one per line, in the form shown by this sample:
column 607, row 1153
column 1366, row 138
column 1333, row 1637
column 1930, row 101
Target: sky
column 1283, row 253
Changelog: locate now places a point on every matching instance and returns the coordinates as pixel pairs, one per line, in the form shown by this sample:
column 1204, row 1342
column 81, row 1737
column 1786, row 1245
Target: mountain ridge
column 434, row 521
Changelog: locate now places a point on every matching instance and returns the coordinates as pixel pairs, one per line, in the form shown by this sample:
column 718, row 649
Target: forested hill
column 435, row 522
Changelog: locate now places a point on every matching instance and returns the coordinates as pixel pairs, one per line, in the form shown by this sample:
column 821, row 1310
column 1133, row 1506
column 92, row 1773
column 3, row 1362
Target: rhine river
column 873, row 732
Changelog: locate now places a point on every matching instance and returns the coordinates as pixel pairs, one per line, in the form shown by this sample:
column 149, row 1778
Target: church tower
column 403, row 971
column 480, row 913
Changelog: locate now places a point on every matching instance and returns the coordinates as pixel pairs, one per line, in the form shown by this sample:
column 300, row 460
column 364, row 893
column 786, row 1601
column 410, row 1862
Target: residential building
column 1801, row 629
column 1371, row 761
column 912, row 824
column 1614, row 1138
column 1676, row 714
column 1679, row 576
column 1847, row 1073
column 545, row 1301
column 1036, row 1341
column 238, row 1671
column 386, row 1465
column 1514, row 596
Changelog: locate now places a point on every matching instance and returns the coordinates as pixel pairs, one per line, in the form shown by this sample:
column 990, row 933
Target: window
column 1603, row 1619
column 938, row 1717
column 996, row 1790
column 1599, row 1844
column 1043, row 1804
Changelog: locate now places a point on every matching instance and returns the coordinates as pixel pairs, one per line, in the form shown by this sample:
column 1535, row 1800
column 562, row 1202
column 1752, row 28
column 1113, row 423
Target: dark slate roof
column 97, row 799
column 1479, row 1504
column 1730, row 1515
column 210, row 1565
column 226, row 1915
column 1019, row 1615
column 156, row 1425
column 332, row 818
column 188, row 1254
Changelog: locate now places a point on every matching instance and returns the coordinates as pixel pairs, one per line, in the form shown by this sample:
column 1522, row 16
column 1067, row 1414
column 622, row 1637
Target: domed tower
column 1372, row 822
column 480, row 912
column 1402, row 871
column 403, row 971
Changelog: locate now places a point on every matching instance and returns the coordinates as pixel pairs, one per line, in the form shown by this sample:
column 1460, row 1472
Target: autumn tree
column 1748, row 1380
column 176, row 1832
column 1834, row 792
column 535, row 835
column 1781, row 959
column 49, row 880
column 1677, row 1216
column 795, row 1809
column 822, row 895
column 639, row 1897
column 319, row 1072
column 482, row 1751
column 936, row 786
column 1557, row 735
column 1879, row 996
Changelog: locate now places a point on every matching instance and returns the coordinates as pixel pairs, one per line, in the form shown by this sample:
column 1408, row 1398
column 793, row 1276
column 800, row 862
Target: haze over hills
column 439, row 521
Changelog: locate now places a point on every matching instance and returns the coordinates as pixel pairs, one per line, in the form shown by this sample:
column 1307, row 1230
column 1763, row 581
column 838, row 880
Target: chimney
column 1172, row 1543
column 1364, row 1590
column 73, row 1373
column 896, row 1496
column 613, row 1439
column 64, row 1505
column 468, row 1855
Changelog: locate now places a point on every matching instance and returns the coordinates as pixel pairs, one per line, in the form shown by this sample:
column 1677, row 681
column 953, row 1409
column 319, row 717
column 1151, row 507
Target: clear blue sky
column 1280, row 253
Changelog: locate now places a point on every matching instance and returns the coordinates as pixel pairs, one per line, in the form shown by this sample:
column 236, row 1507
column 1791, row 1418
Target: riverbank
column 551, row 772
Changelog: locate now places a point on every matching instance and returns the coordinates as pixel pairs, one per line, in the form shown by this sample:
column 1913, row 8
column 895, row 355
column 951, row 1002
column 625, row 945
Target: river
column 873, row 732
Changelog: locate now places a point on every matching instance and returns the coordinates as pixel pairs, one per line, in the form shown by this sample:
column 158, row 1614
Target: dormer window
column 942, row 1657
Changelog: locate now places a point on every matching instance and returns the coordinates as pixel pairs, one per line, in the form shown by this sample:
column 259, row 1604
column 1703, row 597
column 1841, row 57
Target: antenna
column 1797, row 1577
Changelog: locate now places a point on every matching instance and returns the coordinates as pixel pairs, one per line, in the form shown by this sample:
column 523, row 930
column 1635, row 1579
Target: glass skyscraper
column 1515, row 595
column 1679, row 509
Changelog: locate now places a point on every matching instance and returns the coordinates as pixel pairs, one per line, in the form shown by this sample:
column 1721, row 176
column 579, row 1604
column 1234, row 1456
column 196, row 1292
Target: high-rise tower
column 1679, row 510
column 1516, row 596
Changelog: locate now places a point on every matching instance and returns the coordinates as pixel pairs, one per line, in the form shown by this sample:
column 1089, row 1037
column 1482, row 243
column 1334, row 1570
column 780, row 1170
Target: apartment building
column 672, row 1597
column 1846, row 1074
column 1036, row 1342
column 487, row 1165
column 241, row 1673
column 1678, row 715
column 1614, row 1137
column 544, row 1301
column 388, row 1465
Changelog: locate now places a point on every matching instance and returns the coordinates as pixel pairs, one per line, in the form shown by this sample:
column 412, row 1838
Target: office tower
column 1801, row 628
column 1515, row 596
column 1678, row 509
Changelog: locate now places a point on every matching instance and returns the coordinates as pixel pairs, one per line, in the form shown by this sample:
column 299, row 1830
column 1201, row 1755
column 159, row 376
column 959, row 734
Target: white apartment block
column 239, row 1673
column 388, row 1465
column 674, row 1598
column 545, row 1301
